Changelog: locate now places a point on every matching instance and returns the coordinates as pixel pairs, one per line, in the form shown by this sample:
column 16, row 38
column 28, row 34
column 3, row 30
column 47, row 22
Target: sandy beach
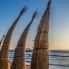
column 27, row 66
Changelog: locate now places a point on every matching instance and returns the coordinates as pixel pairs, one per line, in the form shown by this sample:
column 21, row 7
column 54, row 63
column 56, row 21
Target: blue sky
column 59, row 21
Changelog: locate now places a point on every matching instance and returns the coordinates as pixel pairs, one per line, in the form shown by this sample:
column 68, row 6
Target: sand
column 27, row 66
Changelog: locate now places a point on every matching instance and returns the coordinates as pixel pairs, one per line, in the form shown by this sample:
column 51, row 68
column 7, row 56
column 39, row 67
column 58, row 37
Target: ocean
column 58, row 59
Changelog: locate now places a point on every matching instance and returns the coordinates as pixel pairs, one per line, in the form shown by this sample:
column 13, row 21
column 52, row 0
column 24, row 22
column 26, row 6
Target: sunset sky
column 59, row 21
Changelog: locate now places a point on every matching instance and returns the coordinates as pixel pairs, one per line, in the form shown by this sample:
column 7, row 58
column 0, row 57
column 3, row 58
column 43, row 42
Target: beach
column 27, row 66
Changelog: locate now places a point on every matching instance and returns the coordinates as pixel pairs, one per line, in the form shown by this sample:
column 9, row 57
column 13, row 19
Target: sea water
column 57, row 59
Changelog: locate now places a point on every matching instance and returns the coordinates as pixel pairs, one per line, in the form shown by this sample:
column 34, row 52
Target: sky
column 58, row 25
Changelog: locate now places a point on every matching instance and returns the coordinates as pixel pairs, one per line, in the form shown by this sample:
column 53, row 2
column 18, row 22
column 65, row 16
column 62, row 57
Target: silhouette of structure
column 5, row 47
column 40, row 51
column 19, row 58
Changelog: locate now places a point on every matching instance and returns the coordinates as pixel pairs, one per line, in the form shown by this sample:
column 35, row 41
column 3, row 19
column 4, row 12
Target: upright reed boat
column 40, row 59
column 19, row 55
column 5, row 47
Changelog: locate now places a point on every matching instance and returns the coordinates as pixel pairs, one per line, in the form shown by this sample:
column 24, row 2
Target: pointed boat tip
column 23, row 10
column 49, row 1
column 49, row 4
column 34, row 14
